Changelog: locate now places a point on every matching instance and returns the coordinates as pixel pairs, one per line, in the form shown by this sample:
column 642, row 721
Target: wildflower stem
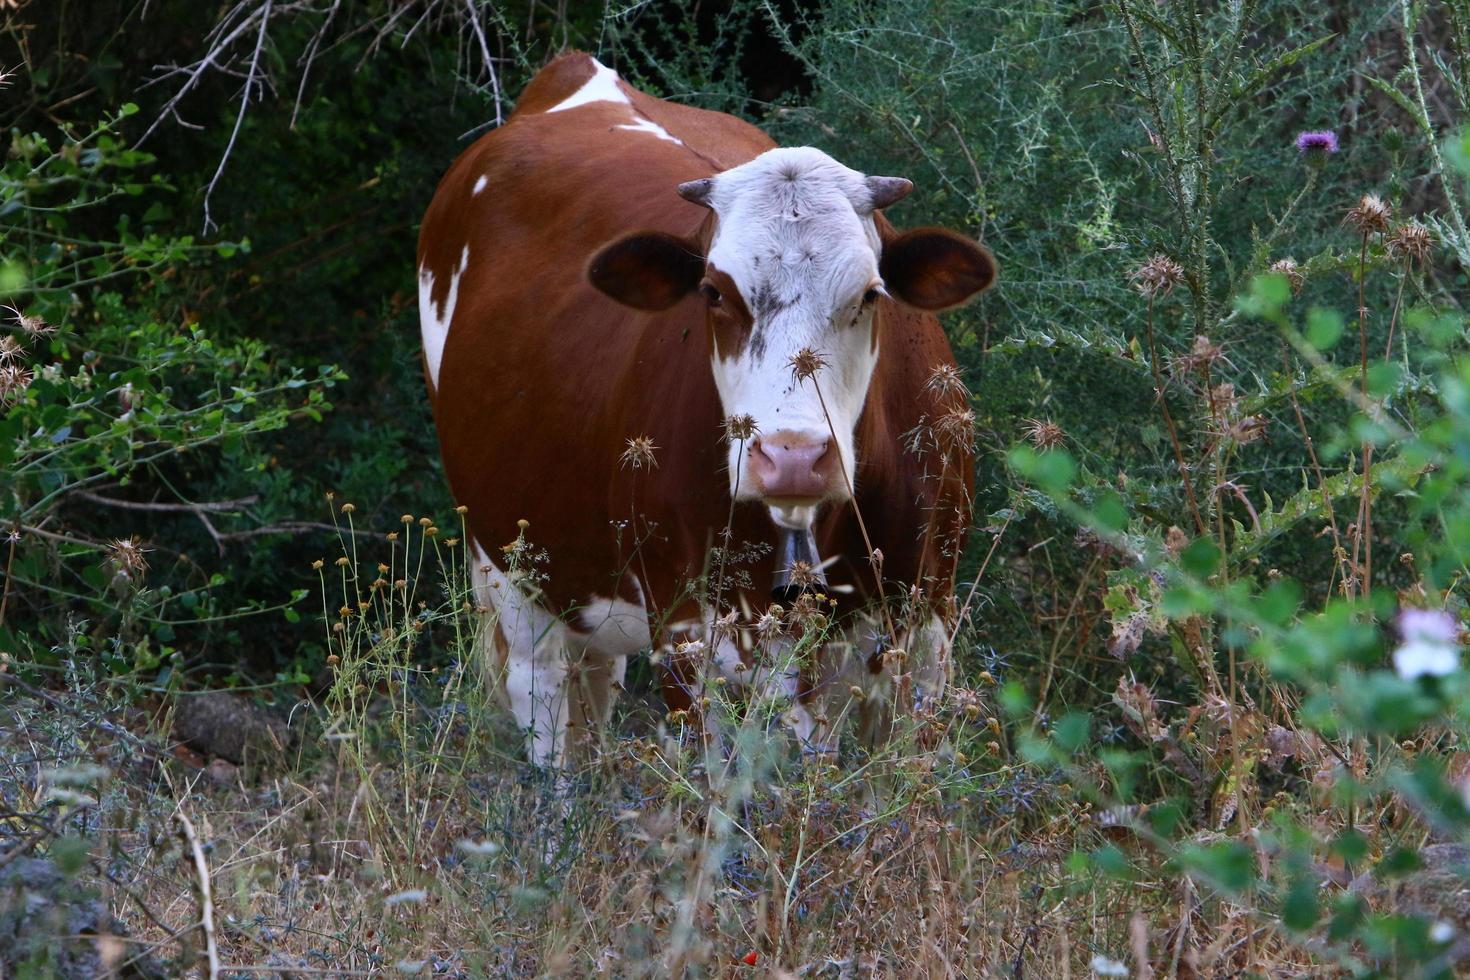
column 1451, row 197
column 1153, row 358
column 14, row 537
column 858, row 513
column 1363, row 543
column 1339, row 554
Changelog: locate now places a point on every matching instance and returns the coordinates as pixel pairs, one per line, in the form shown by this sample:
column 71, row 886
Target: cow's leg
column 927, row 665
column 537, row 651
column 803, row 692
column 536, row 684
column 616, row 628
column 929, row 660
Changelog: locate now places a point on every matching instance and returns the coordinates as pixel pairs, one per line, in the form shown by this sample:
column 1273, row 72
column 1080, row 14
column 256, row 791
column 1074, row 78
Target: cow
column 657, row 345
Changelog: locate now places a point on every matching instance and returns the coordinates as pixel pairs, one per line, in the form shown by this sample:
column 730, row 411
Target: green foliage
column 104, row 400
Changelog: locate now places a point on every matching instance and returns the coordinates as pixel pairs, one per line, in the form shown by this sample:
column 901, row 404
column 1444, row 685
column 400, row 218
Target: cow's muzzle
column 796, row 466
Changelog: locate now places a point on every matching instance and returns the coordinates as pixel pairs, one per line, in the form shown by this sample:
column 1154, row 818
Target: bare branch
column 213, row 507
column 250, row 79
column 206, row 897
column 474, row 17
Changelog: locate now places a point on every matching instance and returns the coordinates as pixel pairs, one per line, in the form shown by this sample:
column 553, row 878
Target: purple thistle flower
column 1320, row 140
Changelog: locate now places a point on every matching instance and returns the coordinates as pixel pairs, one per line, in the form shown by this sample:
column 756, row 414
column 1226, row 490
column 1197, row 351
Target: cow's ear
column 648, row 270
column 935, row 268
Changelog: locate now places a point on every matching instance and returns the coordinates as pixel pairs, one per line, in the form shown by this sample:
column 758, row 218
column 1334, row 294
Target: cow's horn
column 697, row 191
column 889, row 190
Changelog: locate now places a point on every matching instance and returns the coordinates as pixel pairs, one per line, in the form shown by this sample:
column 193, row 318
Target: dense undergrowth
column 1209, row 704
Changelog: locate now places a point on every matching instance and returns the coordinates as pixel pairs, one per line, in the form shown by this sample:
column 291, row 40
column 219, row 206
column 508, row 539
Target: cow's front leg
column 535, row 650
column 536, row 685
column 803, row 698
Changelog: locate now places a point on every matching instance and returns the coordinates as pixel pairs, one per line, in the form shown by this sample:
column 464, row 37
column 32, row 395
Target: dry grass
column 403, row 835
column 904, row 866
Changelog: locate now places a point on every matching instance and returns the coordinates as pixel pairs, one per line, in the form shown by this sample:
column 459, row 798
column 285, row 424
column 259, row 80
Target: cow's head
column 794, row 267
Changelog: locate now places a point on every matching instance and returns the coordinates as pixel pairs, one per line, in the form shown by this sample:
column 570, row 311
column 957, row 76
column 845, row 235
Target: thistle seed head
column 1203, row 354
column 946, row 380
column 10, row 349
column 1371, row 214
column 127, row 556
column 1158, row 276
column 33, row 325
column 1043, row 433
column 1411, row 242
column 955, row 429
column 14, row 380
column 740, row 428
column 639, row 453
column 1287, row 267
column 805, row 363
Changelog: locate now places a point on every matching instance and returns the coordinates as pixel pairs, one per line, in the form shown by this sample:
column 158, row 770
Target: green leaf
column 1071, row 731
column 70, row 854
column 1201, row 559
column 1301, row 910
column 1324, row 328
column 1227, row 865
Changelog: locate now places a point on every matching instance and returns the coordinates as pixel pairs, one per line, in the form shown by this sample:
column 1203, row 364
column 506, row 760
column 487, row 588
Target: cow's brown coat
column 543, row 378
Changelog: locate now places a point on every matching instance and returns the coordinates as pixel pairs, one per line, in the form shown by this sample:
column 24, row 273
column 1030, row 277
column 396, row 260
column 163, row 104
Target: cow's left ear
column 935, row 268
column 648, row 270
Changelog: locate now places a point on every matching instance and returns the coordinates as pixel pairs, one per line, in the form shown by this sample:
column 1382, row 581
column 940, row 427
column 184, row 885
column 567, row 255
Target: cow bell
column 798, row 568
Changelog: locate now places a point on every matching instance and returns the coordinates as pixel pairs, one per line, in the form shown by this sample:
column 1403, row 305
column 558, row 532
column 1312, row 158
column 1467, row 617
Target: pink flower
column 1317, row 141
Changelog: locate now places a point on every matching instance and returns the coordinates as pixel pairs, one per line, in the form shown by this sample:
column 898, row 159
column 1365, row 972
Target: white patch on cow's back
column 601, row 87
column 434, row 322
column 480, row 183
column 649, row 126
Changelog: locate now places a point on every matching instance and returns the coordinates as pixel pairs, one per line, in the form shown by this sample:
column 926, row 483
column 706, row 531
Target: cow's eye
column 710, row 293
column 871, row 296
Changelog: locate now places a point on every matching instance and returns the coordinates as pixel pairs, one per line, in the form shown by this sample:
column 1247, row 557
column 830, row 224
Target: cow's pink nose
column 793, row 464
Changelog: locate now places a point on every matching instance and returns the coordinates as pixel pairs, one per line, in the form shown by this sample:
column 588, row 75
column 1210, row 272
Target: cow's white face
column 792, row 280
column 792, row 271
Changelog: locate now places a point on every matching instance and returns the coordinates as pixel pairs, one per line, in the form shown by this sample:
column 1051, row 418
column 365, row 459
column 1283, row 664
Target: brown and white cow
column 608, row 267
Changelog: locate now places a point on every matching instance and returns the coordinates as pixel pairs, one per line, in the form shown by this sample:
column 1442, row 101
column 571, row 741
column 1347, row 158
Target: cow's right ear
column 648, row 270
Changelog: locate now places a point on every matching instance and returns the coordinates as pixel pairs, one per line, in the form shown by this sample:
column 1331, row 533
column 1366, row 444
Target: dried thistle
column 740, row 427
column 1158, row 276
column 724, row 627
column 946, row 380
column 1203, row 354
column 127, row 557
column 805, row 363
column 1223, row 399
column 1411, row 242
column 1287, row 267
column 1043, row 433
column 955, row 429
column 14, row 380
column 769, row 624
column 1245, row 430
column 803, row 574
column 639, row 453
column 690, row 649
column 10, row 349
column 33, row 325
column 1371, row 214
